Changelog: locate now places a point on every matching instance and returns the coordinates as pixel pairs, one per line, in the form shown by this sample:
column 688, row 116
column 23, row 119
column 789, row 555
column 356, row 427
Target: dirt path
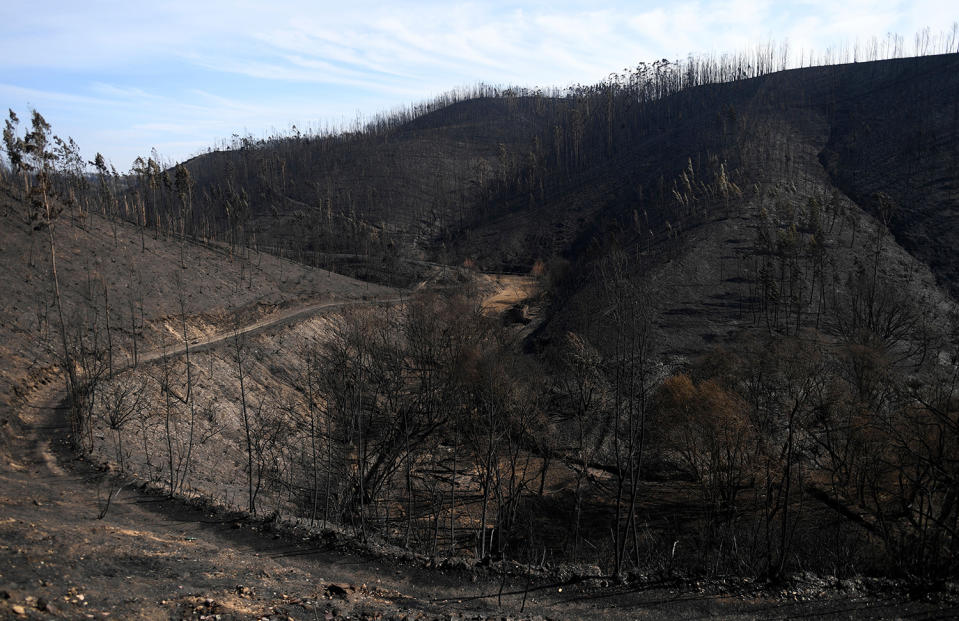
column 154, row 558
column 509, row 290
column 291, row 315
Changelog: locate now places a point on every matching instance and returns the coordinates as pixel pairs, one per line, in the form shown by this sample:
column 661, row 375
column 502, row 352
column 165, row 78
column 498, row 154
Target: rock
column 42, row 604
column 335, row 590
column 18, row 609
column 516, row 314
column 244, row 591
column 850, row 585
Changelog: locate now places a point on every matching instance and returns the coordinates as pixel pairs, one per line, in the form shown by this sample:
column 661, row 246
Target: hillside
column 507, row 180
column 781, row 152
column 663, row 330
column 383, row 194
column 886, row 126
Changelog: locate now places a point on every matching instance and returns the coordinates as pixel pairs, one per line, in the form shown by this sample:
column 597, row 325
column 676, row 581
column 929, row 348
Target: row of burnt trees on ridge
column 155, row 197
column 646, row 81
column 710, row 108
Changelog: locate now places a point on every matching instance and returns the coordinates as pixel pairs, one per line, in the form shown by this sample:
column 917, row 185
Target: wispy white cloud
column 13, row 92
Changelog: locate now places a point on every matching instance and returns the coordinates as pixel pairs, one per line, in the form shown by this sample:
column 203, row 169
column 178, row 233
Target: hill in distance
column 507, row 180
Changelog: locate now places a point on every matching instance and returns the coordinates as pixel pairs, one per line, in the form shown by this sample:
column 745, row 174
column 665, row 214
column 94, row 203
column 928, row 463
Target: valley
column 670, row 345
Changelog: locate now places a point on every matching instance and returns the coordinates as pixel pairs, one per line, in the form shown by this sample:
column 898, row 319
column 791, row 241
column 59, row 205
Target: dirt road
column 156, row 558
column 286, row 317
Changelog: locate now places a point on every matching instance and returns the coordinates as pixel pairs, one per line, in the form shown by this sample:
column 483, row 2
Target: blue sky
column 123, row 78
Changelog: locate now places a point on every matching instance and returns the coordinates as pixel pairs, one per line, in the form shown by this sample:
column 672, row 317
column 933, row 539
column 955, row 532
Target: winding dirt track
column 50, row 403
column 155, row 558
column 282, row 318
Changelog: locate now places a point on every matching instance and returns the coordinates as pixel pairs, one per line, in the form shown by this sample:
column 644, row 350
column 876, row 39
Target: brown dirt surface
column 503, row 291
